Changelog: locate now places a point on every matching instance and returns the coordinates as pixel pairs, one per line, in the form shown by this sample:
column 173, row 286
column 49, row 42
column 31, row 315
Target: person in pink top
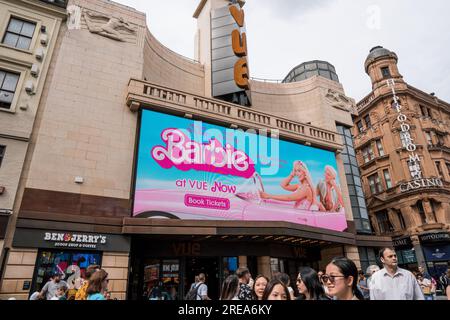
column 303, row 193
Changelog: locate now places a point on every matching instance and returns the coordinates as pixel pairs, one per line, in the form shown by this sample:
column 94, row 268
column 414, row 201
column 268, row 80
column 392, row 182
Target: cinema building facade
column 403, row 149
column 127, row 167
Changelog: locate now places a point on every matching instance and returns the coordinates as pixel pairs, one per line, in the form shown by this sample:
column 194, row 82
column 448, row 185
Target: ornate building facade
column 403, row 150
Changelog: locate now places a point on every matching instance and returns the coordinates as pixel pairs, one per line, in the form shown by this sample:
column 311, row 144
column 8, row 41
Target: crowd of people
column 341, row 280
column 94, row 287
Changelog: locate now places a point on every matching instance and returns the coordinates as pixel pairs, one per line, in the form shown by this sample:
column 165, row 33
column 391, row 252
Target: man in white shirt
column 392, row 282
column 202, row 291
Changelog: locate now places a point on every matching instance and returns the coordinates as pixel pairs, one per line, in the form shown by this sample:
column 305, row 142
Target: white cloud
column 282, row 34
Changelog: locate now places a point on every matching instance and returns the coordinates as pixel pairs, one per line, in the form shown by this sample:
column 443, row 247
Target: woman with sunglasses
column 309, row 285
column 98, row 285
column 303, row 193
column 341, row 279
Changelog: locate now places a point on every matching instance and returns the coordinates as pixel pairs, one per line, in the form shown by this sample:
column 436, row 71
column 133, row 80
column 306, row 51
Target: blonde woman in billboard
column 303, row 194
column 329, row 192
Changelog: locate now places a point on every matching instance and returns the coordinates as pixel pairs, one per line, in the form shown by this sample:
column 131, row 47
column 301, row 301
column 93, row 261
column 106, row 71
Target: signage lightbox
column 188, row 169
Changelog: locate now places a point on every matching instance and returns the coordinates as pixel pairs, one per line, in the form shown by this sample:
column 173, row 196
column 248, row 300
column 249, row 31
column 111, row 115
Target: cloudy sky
column 284, row 33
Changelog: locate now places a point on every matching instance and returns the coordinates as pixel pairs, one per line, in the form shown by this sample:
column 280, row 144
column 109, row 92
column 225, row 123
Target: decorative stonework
column 74, row 20
column 110, row 27
column 338, row 100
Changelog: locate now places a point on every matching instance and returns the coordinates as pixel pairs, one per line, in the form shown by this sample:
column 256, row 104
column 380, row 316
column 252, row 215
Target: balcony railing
column 365, row 101
column 145, row 94
column 58, row 3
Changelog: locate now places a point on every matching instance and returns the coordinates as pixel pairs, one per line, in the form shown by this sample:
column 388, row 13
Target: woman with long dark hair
column 260, row 286
column 309, row 285
column 276, row 290
column 341, row 278
column 230, row 288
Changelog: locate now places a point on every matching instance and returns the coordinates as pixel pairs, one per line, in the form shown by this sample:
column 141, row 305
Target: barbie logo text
column 184, row 154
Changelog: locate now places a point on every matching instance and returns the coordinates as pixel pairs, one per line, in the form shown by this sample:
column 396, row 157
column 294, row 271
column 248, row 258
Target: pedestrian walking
column 259, row 286
column 98, row 285
column 50, row 288
column 370, row 271
column 202, row 292
column 392, row 282
column 363, row 286
column 245, row 292
column 230, row 288
column 81, row 293
column 276, row 290
column 341, row 278
column 195, row 283
column 309, row 285
column 425, row 285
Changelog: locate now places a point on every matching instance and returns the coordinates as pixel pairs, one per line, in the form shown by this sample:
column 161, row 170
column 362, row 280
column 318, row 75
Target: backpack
column 193, row 293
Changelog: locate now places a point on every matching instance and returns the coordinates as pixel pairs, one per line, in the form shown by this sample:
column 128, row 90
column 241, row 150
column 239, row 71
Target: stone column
column 263, row 265
column 443, row 213
column 374, row 223
column 19, row 268
column 242, row 261
column 428, row 211
column 352, row 253
column 410, row 215
column 393, row 217
column 116, row 264
column 419, row 252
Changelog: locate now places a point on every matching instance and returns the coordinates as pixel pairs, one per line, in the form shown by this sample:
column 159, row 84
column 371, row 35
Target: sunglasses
column 299, row 280
column 331, row 278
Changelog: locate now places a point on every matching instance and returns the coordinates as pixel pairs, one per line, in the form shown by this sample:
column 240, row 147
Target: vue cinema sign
column 230, row 72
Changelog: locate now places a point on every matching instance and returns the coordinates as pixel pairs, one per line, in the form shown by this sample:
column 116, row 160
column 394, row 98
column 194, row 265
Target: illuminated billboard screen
column 189, row 169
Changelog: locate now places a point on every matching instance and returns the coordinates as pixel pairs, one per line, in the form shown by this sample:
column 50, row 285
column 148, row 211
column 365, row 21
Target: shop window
column 2, row 154
column 387, row 178
column 380, row 148
column 70, row 264
column 19, row 33
column 8, row 86
column 384, row 223
column 439, row 169
column 375, row 183
column 161, row 279
column 385, row 72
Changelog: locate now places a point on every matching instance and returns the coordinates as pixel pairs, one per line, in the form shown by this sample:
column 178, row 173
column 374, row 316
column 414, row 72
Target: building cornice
column 143, row 94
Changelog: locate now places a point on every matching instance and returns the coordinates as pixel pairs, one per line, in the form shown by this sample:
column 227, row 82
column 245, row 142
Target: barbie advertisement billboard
column 189, row 169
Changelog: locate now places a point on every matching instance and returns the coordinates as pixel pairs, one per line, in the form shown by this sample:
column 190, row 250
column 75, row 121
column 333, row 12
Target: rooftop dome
column 310, row 69
column 379, row 52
